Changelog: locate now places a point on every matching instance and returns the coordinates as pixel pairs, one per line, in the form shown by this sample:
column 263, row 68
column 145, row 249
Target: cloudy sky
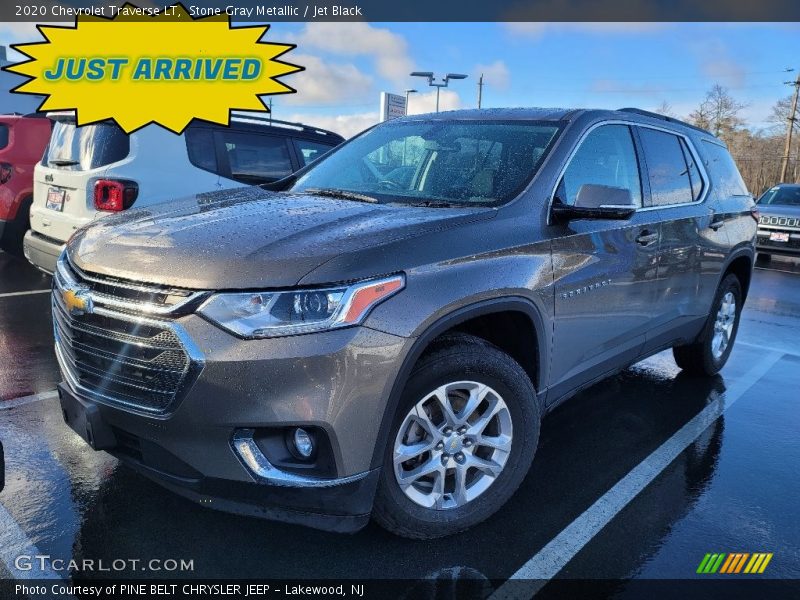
column 526, row 64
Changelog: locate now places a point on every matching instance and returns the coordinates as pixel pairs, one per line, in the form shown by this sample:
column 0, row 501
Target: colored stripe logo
column 734, row 563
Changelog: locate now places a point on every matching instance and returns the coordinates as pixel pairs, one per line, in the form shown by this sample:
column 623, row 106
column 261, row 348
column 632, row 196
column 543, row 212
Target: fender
column 447, row 322
column 743, row 250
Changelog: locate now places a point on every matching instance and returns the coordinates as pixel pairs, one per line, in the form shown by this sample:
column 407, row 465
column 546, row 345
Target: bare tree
column 665, row 108
column 719, row 112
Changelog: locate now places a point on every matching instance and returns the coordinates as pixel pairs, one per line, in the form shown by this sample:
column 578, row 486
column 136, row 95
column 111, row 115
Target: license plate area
column 778, row 236
column 84, row 419
column 55, row 199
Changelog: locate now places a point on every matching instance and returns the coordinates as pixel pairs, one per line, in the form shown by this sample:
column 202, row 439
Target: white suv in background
column 91, row 171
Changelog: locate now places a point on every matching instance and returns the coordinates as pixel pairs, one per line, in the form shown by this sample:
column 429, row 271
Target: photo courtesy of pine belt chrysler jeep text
column 380, row 334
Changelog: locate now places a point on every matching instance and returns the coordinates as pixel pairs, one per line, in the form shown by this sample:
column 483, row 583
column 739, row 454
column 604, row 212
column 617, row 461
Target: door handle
column 716, row 223
column 646, row 238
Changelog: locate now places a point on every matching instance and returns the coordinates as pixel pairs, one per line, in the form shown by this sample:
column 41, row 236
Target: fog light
column 303, row 443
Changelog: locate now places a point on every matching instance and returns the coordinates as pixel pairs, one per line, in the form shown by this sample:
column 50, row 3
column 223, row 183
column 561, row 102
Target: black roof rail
column 271, row 121
column 654, row 115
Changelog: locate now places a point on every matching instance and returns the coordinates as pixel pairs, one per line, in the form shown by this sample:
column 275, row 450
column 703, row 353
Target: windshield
column 781, row 196
column 436, row 162
column 88, row 147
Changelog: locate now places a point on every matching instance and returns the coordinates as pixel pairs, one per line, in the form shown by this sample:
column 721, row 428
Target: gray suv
column 381, row 333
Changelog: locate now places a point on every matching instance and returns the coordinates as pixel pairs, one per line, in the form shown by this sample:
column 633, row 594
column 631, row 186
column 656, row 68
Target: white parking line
column 14, row 543
column 25, row 293
column 546, row 564
column 28, row 399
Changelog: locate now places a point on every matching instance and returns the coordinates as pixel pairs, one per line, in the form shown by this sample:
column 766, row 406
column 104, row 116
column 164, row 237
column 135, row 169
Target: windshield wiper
column 343, row 194
column 433, row 204
column 62, row 162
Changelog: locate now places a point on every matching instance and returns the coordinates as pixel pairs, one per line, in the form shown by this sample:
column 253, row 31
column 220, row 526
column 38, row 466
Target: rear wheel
column 462, row 441
column 709, row 353
column 15, row 230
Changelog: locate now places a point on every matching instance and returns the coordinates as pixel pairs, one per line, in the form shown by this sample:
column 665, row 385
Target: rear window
column 200, row 146
column 723, row 171
column 3, row 136
column 310, row 151
column 89, row 147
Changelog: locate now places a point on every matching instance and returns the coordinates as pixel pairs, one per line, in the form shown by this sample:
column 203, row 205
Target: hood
column 784, row 210
column 248, row 238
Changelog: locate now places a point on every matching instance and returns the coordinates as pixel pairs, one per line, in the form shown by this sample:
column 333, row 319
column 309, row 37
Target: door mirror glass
column 595, row 201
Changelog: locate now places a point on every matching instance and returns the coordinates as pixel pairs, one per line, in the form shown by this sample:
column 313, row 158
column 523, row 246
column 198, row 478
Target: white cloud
column 537, row 30
column 389, row 50
column 426, row 102
column 326, row 83
column 495, row 74
column 345, row 125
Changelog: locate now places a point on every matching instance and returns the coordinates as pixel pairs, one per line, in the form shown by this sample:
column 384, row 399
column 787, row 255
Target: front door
column 604, row 270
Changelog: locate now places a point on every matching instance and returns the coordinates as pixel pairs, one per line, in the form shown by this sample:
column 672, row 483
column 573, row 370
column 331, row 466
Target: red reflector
column 368, row 296
column 114, row 195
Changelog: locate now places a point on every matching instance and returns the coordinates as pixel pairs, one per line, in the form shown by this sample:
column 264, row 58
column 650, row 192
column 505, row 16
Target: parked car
column 22, row 141
column 92, row 171
column 779, row 224
column 364, row 345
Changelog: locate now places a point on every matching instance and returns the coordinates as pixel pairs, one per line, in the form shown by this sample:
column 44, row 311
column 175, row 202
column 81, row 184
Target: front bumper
column 42, row 252
column 338, row 381
column 766, row 245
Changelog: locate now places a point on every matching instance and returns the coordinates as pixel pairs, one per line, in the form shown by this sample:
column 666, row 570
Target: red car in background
column 22, row 142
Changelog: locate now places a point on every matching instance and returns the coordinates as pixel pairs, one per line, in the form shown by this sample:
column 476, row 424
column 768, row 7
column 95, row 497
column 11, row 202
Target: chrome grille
column 114, row 354
column 777, row 221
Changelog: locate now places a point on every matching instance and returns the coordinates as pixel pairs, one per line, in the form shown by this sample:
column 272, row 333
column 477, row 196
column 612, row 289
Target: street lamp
column 438, row 84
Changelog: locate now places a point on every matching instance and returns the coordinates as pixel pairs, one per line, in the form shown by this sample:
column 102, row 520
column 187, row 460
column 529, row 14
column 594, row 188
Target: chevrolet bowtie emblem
column 78, row 300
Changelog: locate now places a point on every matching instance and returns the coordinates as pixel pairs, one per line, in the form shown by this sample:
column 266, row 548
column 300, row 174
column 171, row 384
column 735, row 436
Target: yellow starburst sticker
column 166, row 69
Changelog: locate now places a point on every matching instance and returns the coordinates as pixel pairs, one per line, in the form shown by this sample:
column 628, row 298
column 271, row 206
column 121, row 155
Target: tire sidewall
column 729, row 284
column 468, row 363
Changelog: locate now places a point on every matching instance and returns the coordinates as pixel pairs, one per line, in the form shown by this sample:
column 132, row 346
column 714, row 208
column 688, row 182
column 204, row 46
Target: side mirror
column 597, row 202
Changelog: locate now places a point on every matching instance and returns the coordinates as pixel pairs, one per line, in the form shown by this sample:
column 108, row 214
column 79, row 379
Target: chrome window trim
column 263, row 471
column 630, row 123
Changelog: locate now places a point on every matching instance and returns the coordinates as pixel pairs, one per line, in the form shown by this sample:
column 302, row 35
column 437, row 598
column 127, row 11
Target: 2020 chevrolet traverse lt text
column 383, row 334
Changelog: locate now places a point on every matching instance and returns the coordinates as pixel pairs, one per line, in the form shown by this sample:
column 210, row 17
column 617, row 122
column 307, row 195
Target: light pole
column 407, row 94
column 438, row 84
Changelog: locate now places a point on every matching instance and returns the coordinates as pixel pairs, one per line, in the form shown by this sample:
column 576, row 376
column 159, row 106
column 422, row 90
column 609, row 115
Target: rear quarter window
column 201, row 150
column 723, row 171
column 3, row 136
column 309, row 151
column 255, row 158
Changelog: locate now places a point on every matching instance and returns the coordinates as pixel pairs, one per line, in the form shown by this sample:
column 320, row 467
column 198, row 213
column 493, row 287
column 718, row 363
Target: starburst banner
column 167, row 69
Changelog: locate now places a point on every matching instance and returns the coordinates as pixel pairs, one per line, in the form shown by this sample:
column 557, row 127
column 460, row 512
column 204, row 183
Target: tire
column 458, row 367
column 15, row 230
column 703, row 356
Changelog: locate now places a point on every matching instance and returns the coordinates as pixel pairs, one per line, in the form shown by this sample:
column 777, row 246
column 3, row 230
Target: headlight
column 275, row 314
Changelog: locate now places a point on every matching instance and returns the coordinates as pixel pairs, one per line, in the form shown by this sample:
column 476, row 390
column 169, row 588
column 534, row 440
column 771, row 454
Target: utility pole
column 480, row 90
column 787, row 150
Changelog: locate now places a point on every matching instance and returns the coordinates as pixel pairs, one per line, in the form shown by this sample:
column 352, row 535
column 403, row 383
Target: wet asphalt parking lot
column 636, row 478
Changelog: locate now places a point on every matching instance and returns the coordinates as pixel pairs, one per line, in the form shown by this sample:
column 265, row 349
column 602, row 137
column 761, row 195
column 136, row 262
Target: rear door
column 693, row 238
column 604, row 270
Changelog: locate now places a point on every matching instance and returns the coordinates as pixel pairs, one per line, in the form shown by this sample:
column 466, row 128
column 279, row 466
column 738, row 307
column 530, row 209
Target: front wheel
column 709, row 353
column 463, row 439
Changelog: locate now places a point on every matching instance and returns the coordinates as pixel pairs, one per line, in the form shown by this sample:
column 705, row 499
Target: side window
column 200, row 147
column 254, row 158
column 670, row 182
column 606, row 157
column 310, row 151
column 723, row 171
column 3, row 136
column 694, row 173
